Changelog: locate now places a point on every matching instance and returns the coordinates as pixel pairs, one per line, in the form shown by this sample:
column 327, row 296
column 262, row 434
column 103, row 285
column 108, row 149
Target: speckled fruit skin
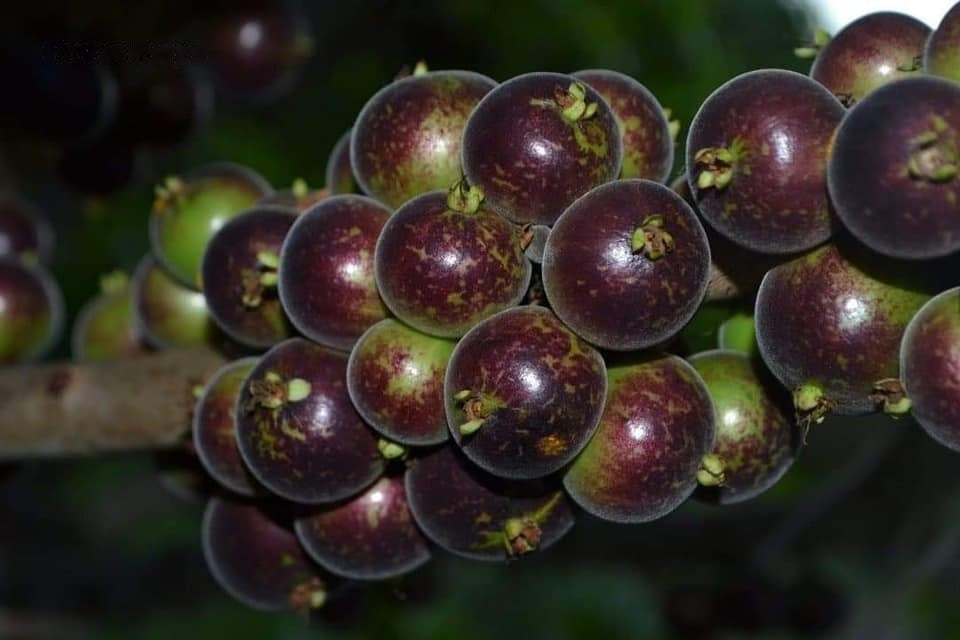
column 406, row 140
column 540, row 387
column 880, row 199
column 610, row 295
column 339, row 172
column 834, row 318
column 869, row 52
column 930, row 367
column 465, row 511
column 327, row 285
column 941, row 53
column 256, row 559
column 756, row 437
column 442, row 271
column 657, row 425
column 530, row 162
column 395, row 380
column 106, row 327
column 371, row 537
column 245, row 310
column 644, row 127
column 24, row 230
column 185, row 217
column 314, row 450
column 31, row 311
column 778, row 125
column 214, row 428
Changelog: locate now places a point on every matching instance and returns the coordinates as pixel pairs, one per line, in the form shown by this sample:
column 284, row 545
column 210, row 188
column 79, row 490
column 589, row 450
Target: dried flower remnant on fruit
column 934, row 157
column 256, row 281
column 171, row 192
column 272, row 392
column 652, row 239
column 571, row 103
column 891, row 397
column 717, row 165
column 391, row 450
column 710, row 473
column 820, row 38
column 308, row 596
column 521, row 534
column 811, row 406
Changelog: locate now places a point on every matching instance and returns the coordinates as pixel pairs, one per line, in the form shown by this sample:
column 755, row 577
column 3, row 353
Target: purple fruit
column 445, row 261
column 930, row 367
column 106, row 326
column 24, row 231
column 239, row 276
column 539, row 141
column 626, row 265
column 657, row 425
column 522, row 393
column 644, row 125
column 941, row 53
column 297, row 430
column 31, row 311
column 473, row 514
column 339, row 172
column 756, row 437
column 395, row 380
column 406, row 140
column 757, row 155
column 371, row 537
column 894, row 173
column 326, row 275
column 214, row 432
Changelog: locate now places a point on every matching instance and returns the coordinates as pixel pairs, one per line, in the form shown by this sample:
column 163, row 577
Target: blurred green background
column 859, row 540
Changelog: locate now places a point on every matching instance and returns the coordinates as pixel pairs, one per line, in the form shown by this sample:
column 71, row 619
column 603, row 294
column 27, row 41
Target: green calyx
column 820, row 39
column 257, row 281
column 892, row 397
column 710, row 473
column 464, row 198
column 273, row 392
column 717, row 165
column 811, row 405
column 571, row 103
column 651, row 238
column 391, row 450
column 172, row 192
column 934, row 156
column 299, row 188
column 476, row 408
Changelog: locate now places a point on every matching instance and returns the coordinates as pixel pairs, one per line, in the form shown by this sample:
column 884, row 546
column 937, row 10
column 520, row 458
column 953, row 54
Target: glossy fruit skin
column 406, row 139
column 106, row 327
column 540, row 386
column 314, row 450
column 941, row 53
column 756, row 436
column 834, row 318
column 246, row 311
column 31, row 311
column 644, row 127
column 464, row 510
column 530, row 162
column 214, row 432
column 610, row 295
column 395, row 380
column 327, row 284
column 371, row 537
column 657, row 425
column 870, row 51
column 339, row 173
column 930, row 367
column 24, row 230
column 876, row 193
column 778, row 124
column 442, row 271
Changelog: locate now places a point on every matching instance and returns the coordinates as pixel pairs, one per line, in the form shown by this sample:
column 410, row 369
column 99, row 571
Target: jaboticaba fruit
column 339, row 173
column 24, row 230
column 31, row 311
column 106, row 325
column 941, row 53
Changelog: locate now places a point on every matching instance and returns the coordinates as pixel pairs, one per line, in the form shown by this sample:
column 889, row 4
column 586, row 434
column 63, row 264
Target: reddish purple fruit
column 24, row 231
column 106, row 326
column 539, row 141
column 626, row 265
column 657, row 426
column 445, row 261
column 339, row 172
column 31, row 311
column 326, row 274
column 930, row 367
column 473, row 514
column 406, row 140
column 941, row 54
column 523, row 393
column 757, row 155
column 297, row 430
column 371, row 537
column 894, row 173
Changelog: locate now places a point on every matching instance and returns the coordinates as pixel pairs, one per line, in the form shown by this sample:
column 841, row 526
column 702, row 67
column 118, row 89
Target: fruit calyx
column 463, row 197
column 892, row 397
column 820, row 39
column 273, row 392
column 308, row 596
column 476, row 407
column 673, row 124
column 811, row 406
column 391, row 450
column 711, row 471
column 651, row 238
column 934, row 155
column 571, row 103
column 718, row 164
column 114, row 282
column 256, row 281
column 172, row 192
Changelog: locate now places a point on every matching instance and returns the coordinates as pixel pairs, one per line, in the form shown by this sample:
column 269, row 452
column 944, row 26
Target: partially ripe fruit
column 31, row 311
column 106, row 325
column 941, row 54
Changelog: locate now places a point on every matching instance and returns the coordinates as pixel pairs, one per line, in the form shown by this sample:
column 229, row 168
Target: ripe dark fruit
column 24, row 231
column 930, row 367
column 657, row 425
column 339, row 173
column 941, row 54
column 756, row 436
column 406, row 140
column 371, row 537
column 31, row 311
column 188, row 211
column 239, row 276
column 299, row 197
column 470, row 513
column 395, row 380
column 757, row 158
column 106, row 326
column 894, row 173
column 539, row 141
column 214, row 433
column 626, row 265
column 255, row 557
column 445, row 261
column 522, row 393
column 644, row 126
column 829, row 325
column 297, row 430
column 326, row 274
column 869, row 52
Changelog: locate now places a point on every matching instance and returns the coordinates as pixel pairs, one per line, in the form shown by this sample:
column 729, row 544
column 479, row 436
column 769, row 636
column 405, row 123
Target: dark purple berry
column 106, row 326
column 31, row 311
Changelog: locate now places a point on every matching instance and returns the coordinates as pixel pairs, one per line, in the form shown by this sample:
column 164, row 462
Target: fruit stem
column 711, row 471
column 522, row 534
column 651, row 238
